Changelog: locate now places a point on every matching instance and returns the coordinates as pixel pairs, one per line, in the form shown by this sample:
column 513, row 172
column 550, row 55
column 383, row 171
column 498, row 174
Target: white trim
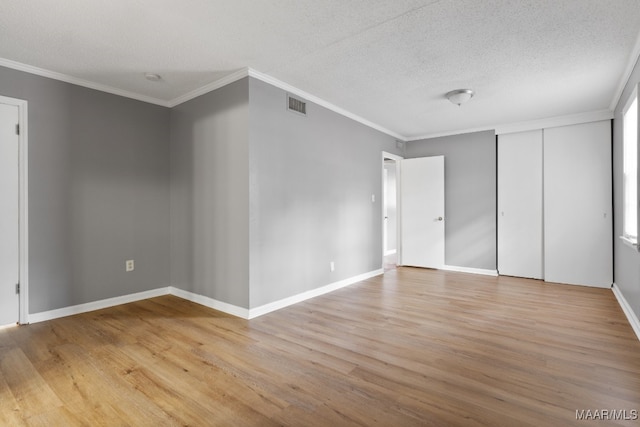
column 628, row 311
column 552, row 122
column 631, row 243
column 24, row 211
column 633, row 98
column 23, row 196
column 321, row 102
column 96, row 305
column 481, row 271
column 242, row 73
column 398, row 250
column 79, row 82
column 9, row 326
column 448, row 133
column 549, row 122
column 237, row 75
column 390, row 252
column 633, row 59
column 217, row 84
column 210, row 87
column 386, row 155
column 210, row 302
column 276, row 305
column 199, row 299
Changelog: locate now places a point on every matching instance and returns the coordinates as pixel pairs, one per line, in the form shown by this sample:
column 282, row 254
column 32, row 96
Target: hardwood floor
column 412, row 347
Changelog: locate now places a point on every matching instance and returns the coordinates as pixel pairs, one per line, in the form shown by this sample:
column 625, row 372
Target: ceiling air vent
column 296, row 105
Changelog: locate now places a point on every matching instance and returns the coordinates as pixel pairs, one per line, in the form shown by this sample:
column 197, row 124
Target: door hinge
column 17, row 288
column 18, row 129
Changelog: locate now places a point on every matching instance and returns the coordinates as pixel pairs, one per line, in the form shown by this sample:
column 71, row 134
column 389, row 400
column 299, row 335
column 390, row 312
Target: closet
column 555, row 204
column 520, row 204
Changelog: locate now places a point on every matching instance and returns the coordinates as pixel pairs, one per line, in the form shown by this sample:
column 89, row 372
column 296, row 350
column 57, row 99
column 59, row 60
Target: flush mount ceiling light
column 460, row 96
column 152, row 77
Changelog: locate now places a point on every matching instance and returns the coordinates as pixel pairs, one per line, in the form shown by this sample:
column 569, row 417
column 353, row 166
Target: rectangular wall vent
column 296, row 105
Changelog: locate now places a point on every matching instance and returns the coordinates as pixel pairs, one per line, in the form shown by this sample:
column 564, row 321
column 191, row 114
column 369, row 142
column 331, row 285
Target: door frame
column 23, row 205
column 397, row 159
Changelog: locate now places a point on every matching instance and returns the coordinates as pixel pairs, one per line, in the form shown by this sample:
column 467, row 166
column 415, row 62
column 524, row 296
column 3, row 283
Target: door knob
column 439, row 218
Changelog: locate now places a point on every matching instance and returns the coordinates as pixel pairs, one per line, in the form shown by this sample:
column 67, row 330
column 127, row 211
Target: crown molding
column 210, row 87
column 217, row 84
column 549, row 122
column 552, row 122
column 79, row 82
column 633, row 60
column 321, row 102
column 448, row 133
column 249, row 72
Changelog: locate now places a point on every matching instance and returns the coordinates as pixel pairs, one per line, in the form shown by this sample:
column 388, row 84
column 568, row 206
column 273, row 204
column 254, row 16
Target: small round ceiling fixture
column 460, row 96
column 153, row 77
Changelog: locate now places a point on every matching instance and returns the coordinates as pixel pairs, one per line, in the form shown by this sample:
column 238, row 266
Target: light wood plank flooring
column 412, row 347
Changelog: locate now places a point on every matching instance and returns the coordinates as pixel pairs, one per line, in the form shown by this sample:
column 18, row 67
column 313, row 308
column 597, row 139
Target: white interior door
column 520, row 233
column 577, row 204
column 422, row 212
column 390, row 208
column 9, row 231
column 385, row 210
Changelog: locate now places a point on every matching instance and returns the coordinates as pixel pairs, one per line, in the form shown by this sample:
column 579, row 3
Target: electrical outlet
column 129, row 265
column 332, row 266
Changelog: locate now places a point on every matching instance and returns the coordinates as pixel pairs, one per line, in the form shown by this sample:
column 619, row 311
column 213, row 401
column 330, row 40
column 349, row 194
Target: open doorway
column 390, row 210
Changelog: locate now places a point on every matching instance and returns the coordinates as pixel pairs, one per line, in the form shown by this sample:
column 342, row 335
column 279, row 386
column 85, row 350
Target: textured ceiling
column 389, row 62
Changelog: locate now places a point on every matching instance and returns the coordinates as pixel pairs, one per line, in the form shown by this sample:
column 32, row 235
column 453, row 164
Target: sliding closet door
column 577, row 204
column 520, row 204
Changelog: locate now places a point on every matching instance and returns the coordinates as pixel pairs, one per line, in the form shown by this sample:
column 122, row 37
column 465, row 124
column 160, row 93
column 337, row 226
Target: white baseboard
column 276, row 305
column 272, row 306
column 200, row 299
column 624, row 304
column 95, row 305
column 210, row 302
column 470, row 270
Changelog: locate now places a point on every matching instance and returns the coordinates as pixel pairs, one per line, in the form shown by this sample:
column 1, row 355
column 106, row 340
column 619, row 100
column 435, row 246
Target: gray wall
column 114, row 179
column 626, row 260
column 470, row 195
column 210, row 195
column 98, row 192
column 311, row 181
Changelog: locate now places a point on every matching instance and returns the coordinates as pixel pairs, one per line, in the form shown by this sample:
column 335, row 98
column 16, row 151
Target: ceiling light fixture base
column 460, row 96
column 153, row 77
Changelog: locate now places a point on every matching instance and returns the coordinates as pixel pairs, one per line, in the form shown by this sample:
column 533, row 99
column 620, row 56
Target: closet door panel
column 577, row 204
column 520, row 204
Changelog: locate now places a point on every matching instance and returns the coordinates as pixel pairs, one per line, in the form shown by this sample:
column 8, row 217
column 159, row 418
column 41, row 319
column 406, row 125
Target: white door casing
column 385, row 210
column 422, row 212
column 385, row 224
column 9, row 215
